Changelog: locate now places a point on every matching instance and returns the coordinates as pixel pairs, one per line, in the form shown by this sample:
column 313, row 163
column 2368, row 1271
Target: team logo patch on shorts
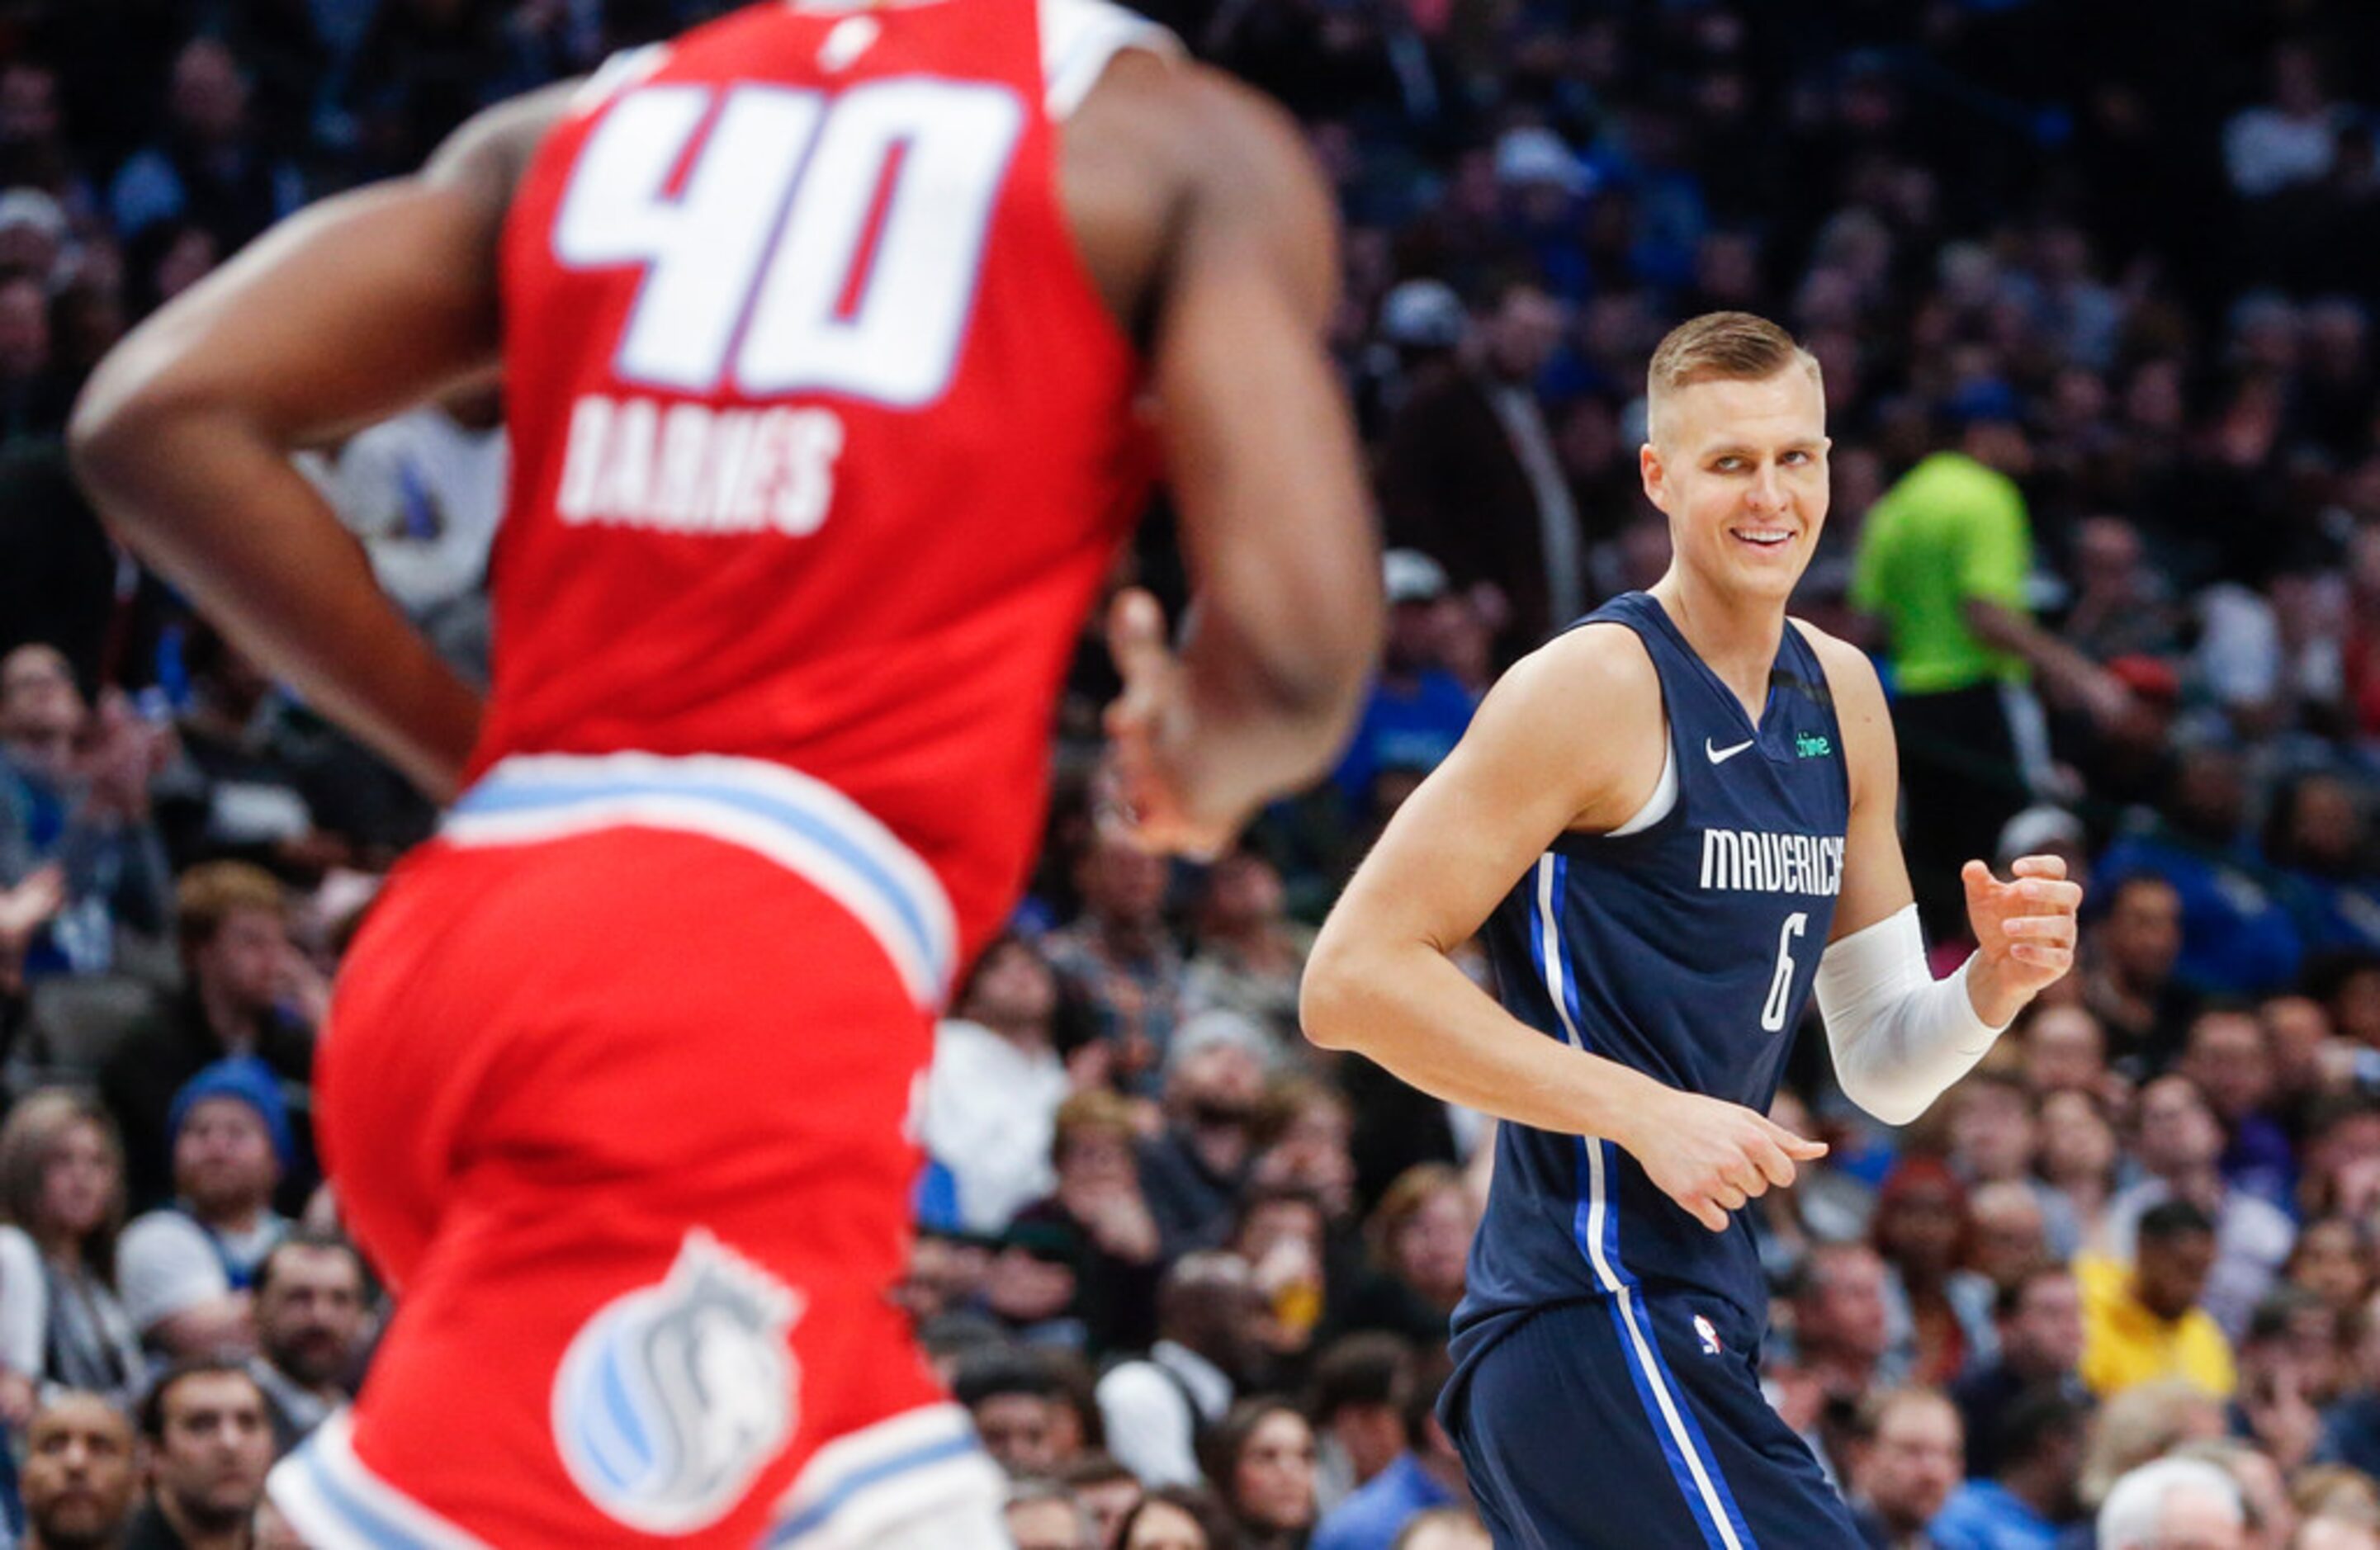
column 673, row 1397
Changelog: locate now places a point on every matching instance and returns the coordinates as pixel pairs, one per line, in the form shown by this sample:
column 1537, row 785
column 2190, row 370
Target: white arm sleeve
column 1899, row 1035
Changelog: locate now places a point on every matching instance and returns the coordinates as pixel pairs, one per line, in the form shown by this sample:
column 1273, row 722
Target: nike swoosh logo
column 1720, row 755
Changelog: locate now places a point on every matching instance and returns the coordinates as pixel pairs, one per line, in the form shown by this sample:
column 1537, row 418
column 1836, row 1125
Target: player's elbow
column 1328, row 997
column 1892, row 1103
column 115, row 430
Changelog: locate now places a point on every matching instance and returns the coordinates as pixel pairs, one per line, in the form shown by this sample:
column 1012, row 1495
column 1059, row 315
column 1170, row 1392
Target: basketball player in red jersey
column 823, row 330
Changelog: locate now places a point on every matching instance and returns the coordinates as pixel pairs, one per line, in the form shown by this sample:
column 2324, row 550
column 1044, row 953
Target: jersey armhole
column 1658, row 808
column 1079, row 38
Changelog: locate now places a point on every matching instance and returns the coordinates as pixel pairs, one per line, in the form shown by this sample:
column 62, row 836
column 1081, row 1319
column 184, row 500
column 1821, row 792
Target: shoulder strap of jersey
column 1079, row 38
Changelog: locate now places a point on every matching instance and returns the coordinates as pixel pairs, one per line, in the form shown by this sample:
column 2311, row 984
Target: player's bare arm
column 355, row 309
column 1900, row 1039
column 1211, row 233
column 1539, row 759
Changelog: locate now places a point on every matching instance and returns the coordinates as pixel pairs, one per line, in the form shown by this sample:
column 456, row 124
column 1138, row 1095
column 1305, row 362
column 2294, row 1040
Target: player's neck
column 1736, row 637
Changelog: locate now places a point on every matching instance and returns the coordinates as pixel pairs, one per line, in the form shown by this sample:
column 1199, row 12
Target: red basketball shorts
column 619, row 1110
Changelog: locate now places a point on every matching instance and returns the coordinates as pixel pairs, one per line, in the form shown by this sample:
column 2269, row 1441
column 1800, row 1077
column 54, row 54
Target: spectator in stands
column 186, row 1269
column 1426, row 1473
column 2272, row 1516
column 1261, row 1461
column 78, row 1478
column 2350, row 1427
column 2173, row 1504
column 1303, row 1128
column 265, row 780
column 2332, row 1259
column 1043, row 1515
column 1469, row 476
column 209, row 1445
column 1419, row 1242
column 1996, row 1139
column 2127, row 971
column 2179, row 1145
column 425, row 493
column 2145, row 1323
column 1249, row 952
column 1208, row 1316
column 2317, row 831
column 62, row 1187
column 2029, row 1502
column 209, row 166
column 1192, row 1171
column 2289, row 140
column 1940, row 1310
column 1103, row 1216
column 2237, row 938
column 2008, row 1236
column 74, row 795
column 2065, row 1050
column 1417, row 710
column 1910, row 1458
column 249, row 992
column 2229, row 1056
column 2078, row 1159
column 1013, row 1397
column 312, row 1320
column 2289, row 1364
column 1843, row 1334
column 2040, row 1341
column 994, row 1090
column 1360, row 1387
column 2144, row 1423
column 1281, row 1233
column 1178, row 1518
column 1106, row 1490
column 1119, row 958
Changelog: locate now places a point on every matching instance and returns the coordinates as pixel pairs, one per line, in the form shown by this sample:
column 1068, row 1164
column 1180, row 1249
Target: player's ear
column 1656, row 476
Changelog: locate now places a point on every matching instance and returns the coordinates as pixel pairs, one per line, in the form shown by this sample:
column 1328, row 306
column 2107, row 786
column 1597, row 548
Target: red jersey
column 824, row 442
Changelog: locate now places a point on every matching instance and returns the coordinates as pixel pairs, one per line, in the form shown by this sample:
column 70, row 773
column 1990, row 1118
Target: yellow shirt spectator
column 2126, row 1338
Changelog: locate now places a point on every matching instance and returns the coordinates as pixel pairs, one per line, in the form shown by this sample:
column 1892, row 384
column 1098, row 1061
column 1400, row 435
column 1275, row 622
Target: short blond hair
column 1722, row 347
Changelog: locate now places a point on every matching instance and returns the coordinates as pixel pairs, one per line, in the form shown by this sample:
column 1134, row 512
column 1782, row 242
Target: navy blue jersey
column 1685, row 949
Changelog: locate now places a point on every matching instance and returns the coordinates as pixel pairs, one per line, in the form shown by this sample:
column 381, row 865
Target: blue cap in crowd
column 252, row 1082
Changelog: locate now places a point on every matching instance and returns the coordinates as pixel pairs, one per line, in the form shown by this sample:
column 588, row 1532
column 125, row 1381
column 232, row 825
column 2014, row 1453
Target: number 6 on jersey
column 1780, row 985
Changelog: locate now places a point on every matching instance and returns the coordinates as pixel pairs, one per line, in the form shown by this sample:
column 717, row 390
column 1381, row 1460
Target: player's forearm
column 216, row 507
column 1265, row 719
column 1413, row 1012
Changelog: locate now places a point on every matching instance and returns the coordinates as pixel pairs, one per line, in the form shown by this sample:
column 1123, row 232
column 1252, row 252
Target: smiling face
column 1740, row 469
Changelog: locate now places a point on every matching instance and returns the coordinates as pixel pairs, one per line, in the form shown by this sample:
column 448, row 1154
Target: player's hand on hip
column 2024, row 932
column 1711, row 1155
column 1148, row 727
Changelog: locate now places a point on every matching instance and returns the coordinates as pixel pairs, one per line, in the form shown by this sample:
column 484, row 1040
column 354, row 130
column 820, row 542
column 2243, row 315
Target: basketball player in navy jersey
column 1670, row 822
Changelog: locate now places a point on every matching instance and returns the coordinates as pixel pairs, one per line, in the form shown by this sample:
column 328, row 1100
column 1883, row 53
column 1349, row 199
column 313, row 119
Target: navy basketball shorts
column 1629, row 1423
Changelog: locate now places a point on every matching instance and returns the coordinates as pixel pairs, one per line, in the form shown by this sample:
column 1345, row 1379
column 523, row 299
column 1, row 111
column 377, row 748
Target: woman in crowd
column 1419, row 1237
column 62, row 1189
column 1261, row 1459
column 2078, row 1159
column 1177, row 1517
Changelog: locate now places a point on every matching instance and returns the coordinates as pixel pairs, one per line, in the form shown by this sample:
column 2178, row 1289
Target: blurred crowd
column 2092, row 290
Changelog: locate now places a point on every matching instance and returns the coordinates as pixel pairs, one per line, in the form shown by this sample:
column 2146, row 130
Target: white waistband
column 333, row 1499
column 791, row 818
column 868, row 1483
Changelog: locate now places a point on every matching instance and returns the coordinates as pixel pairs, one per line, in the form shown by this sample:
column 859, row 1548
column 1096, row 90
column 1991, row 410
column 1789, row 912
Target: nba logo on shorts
column 673, row 1397
column 1709, row 1336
